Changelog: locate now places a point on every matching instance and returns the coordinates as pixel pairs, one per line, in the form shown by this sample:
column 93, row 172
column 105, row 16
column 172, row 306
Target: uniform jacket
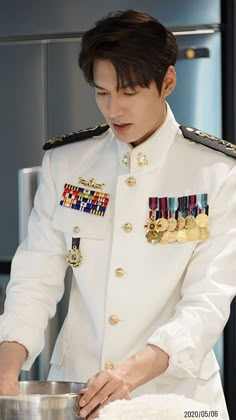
column 176, row 296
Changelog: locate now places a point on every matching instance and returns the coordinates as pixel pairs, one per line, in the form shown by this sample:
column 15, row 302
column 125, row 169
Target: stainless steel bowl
column 42, row 400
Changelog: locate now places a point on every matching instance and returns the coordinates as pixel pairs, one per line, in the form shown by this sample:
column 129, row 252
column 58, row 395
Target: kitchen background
column 43, row 94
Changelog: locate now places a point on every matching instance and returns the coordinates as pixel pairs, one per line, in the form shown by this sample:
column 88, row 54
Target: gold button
column 131, row 181
column 109, row 365
column 113, row 319
column 119, row 272
column 127, row 227
column 190, row 53
column 76, row 229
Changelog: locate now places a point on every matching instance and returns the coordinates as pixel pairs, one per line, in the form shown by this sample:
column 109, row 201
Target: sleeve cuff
column 177, row 343
column 12, row 329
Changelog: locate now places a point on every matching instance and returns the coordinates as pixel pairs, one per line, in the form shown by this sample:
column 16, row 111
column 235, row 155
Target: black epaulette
column 209, row 141
column 75, row 136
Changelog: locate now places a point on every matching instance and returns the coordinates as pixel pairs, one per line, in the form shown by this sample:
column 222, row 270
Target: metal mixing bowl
column 42, row 400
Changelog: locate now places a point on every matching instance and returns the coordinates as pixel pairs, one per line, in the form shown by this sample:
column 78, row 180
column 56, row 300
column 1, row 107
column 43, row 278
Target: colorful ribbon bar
column 83, row 199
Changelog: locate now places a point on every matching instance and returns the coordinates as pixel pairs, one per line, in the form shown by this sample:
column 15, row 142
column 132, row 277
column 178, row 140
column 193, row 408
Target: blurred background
column 43, row 94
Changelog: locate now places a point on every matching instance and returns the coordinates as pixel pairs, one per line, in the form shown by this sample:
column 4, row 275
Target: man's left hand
column 106, row 386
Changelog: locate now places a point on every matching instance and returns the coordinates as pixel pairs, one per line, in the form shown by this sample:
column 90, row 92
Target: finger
column 82, row 391
column 80, row 394
column 94, row 385
column 98, row 398
column 115, row 396
column 95, row 401
column 115, row 389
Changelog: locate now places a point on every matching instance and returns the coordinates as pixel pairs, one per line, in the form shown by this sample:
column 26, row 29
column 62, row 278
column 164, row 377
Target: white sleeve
column 37, row 274
column 207, row 291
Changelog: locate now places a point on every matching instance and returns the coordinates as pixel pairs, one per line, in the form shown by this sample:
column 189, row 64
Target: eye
column 130, row 93
column 101, row 93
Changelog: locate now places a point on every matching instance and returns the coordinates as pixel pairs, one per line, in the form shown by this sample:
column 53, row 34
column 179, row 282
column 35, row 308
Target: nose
column 114, row 108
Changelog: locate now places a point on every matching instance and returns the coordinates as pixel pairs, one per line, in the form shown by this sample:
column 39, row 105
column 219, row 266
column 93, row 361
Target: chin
column 124, row 139
column 127, row 141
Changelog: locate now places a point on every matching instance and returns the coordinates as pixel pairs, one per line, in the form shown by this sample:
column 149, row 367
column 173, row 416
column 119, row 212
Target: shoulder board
column 209, row 141
column 75, row 136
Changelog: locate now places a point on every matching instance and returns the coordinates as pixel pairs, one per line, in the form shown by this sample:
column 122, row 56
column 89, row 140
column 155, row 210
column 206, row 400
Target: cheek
column 101, row 105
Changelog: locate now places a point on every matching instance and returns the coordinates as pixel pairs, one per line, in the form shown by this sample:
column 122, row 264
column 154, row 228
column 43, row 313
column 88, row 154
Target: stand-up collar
column 153, row 150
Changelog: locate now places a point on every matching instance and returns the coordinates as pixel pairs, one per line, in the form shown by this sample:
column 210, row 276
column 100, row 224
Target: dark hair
column 140, row 48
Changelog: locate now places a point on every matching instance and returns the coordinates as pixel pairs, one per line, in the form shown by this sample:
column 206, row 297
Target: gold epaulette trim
column 208, row 140
column 75, row 136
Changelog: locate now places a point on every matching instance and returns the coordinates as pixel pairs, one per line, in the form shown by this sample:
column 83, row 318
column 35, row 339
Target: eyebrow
column 98, row 87
column 122, row 87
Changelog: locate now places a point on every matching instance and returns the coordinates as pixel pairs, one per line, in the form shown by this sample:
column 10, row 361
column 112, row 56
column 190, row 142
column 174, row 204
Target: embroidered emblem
column 177, row 219
column 87, row 200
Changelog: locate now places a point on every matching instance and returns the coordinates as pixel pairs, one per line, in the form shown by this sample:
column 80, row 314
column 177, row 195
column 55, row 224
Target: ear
column 169, row 81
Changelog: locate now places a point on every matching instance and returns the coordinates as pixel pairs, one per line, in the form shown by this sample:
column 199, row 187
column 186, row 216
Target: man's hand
column 9, row 385
column 12, row 357
column 113, row 384
column 108, row 385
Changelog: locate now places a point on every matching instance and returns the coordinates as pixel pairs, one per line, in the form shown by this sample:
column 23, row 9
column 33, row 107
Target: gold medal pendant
column 74, row 257
column 164, row 238
column 193, row 234
column 152, row 237
column 171, row 237
column 181, row 236
column 189, row 222
column 202, row 220
column 172, row 224
column 204, row 234
column 161, row 224
column 180, row 223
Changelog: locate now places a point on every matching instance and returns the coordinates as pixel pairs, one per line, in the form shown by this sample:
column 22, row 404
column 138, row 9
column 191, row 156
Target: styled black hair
column 140, row 48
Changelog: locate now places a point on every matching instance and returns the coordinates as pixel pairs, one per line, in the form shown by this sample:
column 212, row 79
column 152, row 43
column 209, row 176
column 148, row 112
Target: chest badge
column 177, row 219
column 91, row 183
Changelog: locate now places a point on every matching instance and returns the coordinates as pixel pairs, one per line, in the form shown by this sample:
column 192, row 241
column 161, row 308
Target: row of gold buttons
column 119, row 272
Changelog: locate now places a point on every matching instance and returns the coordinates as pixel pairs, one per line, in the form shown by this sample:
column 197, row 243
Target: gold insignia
column 91, row 183
column 209, row 140
column 125, row 159
column 74, row 257
column 142, row 159
column 75, row 136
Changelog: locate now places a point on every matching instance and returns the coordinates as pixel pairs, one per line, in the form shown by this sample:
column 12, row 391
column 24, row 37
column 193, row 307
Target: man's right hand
column 12, row 357
column 9, row 386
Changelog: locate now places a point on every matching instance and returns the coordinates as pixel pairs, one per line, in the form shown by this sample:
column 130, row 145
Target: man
column 145, row 215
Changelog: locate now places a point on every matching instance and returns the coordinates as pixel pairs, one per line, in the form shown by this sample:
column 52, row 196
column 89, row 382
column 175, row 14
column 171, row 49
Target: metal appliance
column 42, row 400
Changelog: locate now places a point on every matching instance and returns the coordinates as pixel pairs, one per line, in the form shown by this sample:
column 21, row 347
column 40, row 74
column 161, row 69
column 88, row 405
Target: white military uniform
column 128, row 292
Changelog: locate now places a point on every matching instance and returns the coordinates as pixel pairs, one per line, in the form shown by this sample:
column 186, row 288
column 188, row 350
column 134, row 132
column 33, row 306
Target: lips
column 121, row 127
